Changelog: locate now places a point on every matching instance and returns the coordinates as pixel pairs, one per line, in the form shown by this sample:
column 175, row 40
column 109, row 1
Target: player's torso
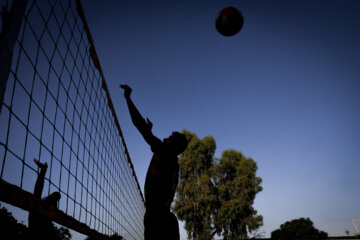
column 160, row 187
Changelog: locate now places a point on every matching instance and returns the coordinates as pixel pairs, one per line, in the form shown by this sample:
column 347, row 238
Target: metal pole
column 11, row 22
column 355, row 226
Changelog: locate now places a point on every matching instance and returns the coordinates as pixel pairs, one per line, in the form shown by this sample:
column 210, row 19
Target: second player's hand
column 127, row 90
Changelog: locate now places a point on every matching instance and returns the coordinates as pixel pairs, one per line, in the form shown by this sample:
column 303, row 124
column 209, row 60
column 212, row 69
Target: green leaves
column 215, row 196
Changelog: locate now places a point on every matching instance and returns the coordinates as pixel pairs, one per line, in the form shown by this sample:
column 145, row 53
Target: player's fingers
column 148, row 122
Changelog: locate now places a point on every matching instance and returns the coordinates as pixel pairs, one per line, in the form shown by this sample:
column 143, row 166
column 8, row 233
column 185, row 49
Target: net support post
column 11, row 22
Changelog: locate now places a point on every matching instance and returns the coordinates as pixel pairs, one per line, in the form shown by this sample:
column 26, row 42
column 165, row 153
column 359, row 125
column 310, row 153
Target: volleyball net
column 56, row 107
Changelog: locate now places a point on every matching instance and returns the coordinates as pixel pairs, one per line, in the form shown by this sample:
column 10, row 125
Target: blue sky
column 284, row 91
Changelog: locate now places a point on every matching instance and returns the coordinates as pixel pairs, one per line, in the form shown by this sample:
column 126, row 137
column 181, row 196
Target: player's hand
column 39, row 164
column 127, row 89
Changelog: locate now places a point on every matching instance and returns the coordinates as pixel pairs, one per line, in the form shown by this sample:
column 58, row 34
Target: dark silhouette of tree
column 115, row 237
column 298, row 229
column 215, row 196
column 11, row 229
column 112, row 237
column 62, row 233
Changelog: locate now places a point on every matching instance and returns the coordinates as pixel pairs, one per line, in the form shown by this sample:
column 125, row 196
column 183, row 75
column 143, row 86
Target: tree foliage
column 112, row 237
column 237, row 185
column 11, row 229
column 62, row 233
column 215, row 196
column 298, row 229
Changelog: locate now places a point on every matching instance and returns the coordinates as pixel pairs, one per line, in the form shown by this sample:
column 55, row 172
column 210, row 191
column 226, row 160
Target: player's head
column 178, row 142
column 53, row 199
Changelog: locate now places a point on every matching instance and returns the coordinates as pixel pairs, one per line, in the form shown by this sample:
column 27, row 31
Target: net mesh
column 356, row 223
column 57, row 110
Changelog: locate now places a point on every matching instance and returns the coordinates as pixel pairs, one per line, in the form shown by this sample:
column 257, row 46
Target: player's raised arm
column 39, row 185
column 143, row 126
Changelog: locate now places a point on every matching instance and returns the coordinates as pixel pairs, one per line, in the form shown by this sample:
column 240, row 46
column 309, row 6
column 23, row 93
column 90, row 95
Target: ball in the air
column 229, row 21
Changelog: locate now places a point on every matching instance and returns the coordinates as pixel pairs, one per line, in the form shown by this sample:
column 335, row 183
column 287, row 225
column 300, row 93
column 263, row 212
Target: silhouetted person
column 40, row 227
column 161, row 179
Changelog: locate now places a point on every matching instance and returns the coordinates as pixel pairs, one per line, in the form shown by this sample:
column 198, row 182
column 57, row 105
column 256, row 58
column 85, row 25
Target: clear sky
column 284, row 91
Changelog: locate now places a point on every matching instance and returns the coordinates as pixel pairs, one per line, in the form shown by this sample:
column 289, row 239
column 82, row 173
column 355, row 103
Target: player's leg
column 161, row 225
column 172, row 227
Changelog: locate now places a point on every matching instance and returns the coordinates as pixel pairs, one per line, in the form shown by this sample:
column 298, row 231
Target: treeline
column 11, row 229
column 329, row 238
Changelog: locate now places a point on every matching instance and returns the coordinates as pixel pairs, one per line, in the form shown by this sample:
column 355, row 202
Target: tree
column 62, row 233
column 298, row 229
column 112, row 237
column 115, row 237
column 215, row 196
column 237, row 186
column 11, row 229
column 196, row 193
